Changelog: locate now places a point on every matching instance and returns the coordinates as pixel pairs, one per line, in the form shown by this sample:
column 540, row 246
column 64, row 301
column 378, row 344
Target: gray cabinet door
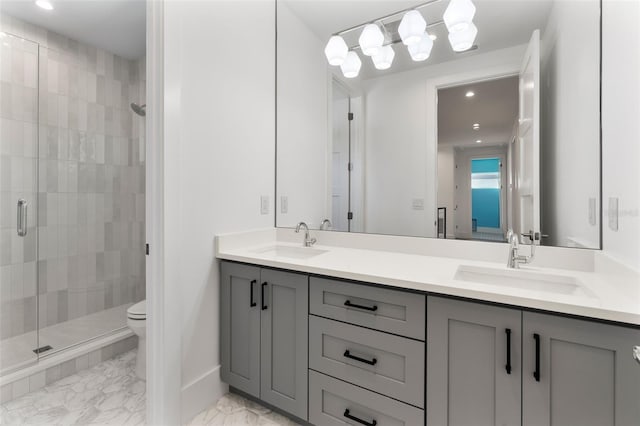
column 284, row 337
column 240, row 326
column 587, row 374
column 467, row 378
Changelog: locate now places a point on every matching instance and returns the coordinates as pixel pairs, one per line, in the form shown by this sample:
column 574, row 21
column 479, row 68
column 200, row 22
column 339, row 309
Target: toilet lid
column 137, row 311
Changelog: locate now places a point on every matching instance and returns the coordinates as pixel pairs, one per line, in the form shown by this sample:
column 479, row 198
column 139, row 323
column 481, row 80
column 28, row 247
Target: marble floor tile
column 108, row 393
column 111, row 393
column 234, row 410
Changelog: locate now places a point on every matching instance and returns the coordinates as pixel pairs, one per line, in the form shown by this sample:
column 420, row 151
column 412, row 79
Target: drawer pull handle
column 357, row 358
column 356, row 419
column 353, row 305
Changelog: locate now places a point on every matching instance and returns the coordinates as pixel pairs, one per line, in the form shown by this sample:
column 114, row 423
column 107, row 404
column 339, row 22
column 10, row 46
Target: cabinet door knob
column 636, row 353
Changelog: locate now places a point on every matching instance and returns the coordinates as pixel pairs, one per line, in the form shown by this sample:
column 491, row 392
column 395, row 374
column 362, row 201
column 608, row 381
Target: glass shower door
column 18, row 202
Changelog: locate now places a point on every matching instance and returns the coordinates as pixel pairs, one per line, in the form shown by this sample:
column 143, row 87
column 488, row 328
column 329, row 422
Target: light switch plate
column 592, row 211
column 284, row 204
column 418, row 204
column 264, row 204
column 613, row 213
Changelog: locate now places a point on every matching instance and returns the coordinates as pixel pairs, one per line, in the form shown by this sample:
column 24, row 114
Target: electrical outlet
column 613, row 213
column 592, row 212
column 284, row 204
column 418, row 204
column 264, row 204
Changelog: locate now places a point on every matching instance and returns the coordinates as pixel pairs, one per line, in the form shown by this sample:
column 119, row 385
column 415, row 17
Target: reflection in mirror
column 450, row 119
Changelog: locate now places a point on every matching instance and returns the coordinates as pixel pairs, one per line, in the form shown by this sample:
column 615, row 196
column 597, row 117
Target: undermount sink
column 290, row 251
column 522, row 279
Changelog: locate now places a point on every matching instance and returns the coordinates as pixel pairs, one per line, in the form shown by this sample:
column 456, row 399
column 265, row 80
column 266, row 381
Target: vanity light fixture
column 44, row 4
column 376, row 40
column 463, row 40
column 459, row 15
column 371, row 40
column 351, row 65
column 421, row 50
column 479, row 141
column 476, row 126
column 470, row 94
column 384, row 58
column 412, row 27
column 336, row 50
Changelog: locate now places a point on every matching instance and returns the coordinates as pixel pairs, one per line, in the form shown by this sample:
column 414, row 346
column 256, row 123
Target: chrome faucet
column 308, row 241
column 516, row 259
column 325, row 225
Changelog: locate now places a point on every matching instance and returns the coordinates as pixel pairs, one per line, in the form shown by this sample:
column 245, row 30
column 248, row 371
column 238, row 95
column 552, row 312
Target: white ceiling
column 494, row 106
column 117, row 26
column 501, row 24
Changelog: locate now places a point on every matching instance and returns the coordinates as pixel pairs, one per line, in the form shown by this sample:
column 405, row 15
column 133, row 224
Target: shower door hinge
column 350, row 215
column 146, row 249
column 350, row 116
column 350, row 167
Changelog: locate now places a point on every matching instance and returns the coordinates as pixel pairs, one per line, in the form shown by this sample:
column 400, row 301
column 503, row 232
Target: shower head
column 139, row 109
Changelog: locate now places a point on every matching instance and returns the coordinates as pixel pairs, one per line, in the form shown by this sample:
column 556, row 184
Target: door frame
column 503, row 170
column 508, row 69
column 164, row 342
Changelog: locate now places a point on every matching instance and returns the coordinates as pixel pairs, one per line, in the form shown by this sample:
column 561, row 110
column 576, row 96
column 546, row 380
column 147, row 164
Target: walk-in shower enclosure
column 72, row 192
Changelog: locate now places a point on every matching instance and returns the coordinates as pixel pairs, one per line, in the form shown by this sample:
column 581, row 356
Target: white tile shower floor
column 18, row 350
column 110, row 393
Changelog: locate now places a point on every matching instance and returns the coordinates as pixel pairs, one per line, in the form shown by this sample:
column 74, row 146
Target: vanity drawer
column 384, row 363
column 331, row 401
column 379, row 308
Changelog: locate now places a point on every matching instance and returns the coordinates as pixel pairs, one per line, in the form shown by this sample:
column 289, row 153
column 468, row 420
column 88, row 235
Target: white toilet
column 137, row 322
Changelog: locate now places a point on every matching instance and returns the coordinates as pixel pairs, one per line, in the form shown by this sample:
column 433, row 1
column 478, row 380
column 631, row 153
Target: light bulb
column 44, row 4
column 336, row 50
column 412, row 27
column 351, row 65
column 384, row 58
column 459, row 15
column 371, row 40
column 421, row 50
column 463, row 40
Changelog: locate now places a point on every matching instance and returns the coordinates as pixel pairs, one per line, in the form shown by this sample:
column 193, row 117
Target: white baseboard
column 201, row 393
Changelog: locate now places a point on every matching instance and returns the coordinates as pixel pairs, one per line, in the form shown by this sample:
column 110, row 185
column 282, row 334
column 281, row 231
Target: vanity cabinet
column 264, row 327
column 473, row 363
column 580, row 373
column 570, row 371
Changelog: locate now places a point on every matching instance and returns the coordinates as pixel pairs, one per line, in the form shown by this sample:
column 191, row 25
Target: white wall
column 569, row 140
column 398, row 157
column 219, row 160
column 446, row 186
column 620, row 129
column 303, row 84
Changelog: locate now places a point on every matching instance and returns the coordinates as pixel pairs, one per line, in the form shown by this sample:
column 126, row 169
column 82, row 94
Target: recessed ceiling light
column 469, row 94
column 479, row 141
column 433, row 36
column 44, row 4
column 476, row 126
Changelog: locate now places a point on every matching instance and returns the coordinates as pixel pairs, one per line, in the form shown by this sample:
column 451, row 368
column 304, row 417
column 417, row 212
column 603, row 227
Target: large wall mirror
column 447, row 119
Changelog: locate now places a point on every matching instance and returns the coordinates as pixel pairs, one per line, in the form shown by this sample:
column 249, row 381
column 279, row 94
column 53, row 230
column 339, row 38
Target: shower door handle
column 22, row 217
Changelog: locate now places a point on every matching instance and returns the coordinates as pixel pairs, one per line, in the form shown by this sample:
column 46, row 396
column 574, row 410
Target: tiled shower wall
column 90, row 199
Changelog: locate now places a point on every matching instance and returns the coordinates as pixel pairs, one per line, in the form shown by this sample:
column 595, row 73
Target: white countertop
column 610, row 295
